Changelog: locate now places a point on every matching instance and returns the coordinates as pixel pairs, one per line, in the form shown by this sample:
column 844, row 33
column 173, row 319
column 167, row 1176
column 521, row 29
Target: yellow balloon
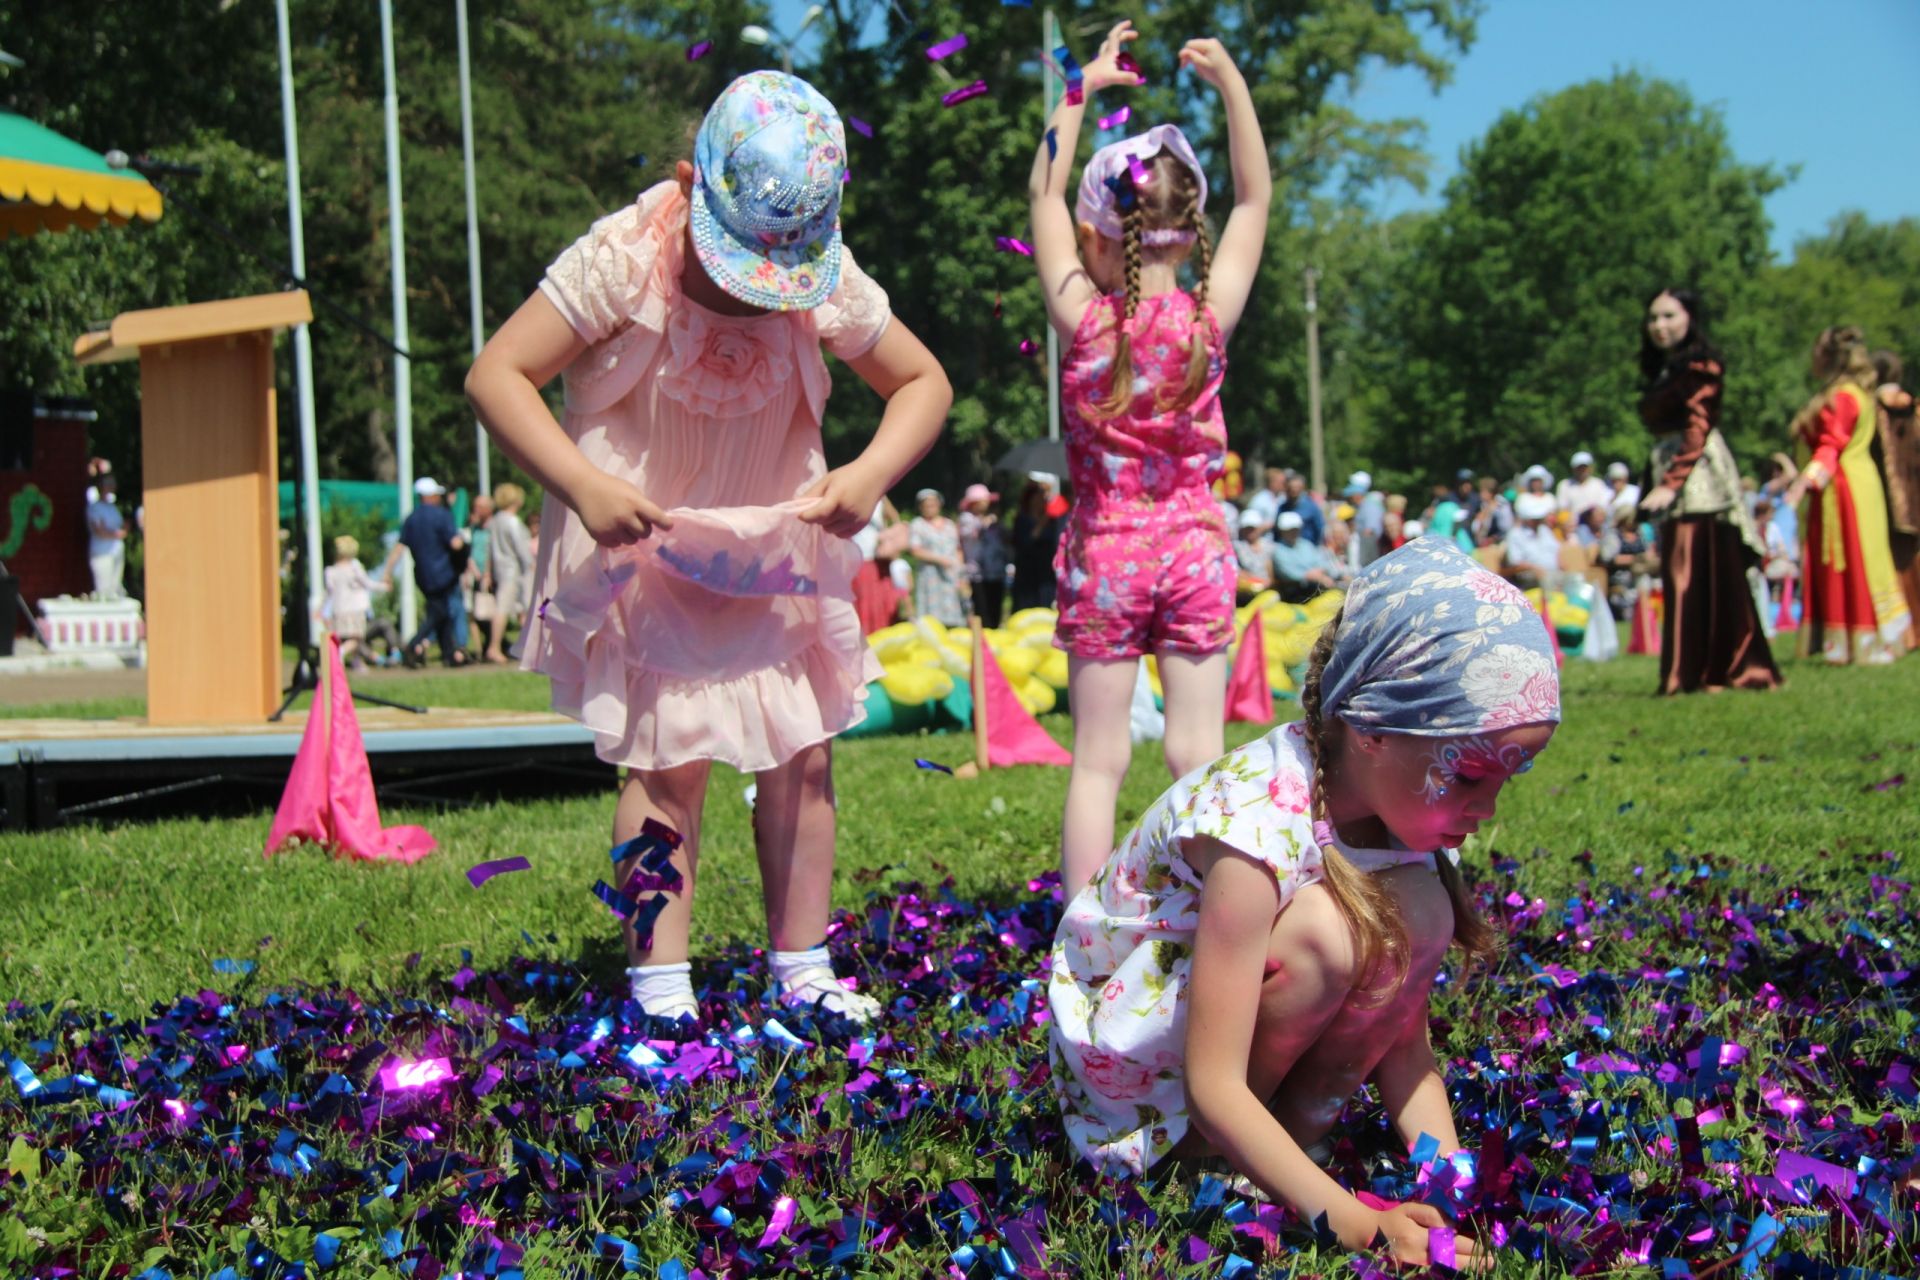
column 911, row 686
column 1019, row 662
column 1053, row 668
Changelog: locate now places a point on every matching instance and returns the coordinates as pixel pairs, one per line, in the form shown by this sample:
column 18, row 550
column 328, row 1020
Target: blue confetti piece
column 391, row 1243
column 326, row 1249
column 623, row 906
column 934, row 765
column 226, row 965
column 23, row 1077
column 1234, row 1265
column 1053, row 146
column 1424, row 1150
column 673, row 1269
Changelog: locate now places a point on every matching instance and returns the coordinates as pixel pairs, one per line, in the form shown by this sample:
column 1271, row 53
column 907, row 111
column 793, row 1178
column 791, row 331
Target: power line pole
column 1317, row 436
column 402, row 364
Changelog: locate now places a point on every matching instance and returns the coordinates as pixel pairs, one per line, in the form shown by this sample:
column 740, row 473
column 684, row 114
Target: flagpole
column 473, row 231
column 302, row 340
column 402, row 365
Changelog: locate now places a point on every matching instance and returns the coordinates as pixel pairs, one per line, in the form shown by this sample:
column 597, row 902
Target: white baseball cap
column 1583, row 459
column 1536, row 472
column 1412, row 529
column 1250, row 519
column 427, row 487
column 1288, row 520
column 1618, row 471
column 1533, row 506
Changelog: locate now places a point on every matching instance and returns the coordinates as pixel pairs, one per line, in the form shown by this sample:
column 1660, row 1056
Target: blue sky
column 1832, row 86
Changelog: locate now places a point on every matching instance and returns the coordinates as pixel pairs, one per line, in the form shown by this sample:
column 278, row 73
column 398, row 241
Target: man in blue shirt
column 1313, row 524
column 429, row 535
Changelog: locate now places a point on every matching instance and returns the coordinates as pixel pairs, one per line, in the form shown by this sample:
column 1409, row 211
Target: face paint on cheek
column 1447, row 756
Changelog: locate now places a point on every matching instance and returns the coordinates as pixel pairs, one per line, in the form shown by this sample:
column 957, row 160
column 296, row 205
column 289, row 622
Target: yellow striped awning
column 51, row 183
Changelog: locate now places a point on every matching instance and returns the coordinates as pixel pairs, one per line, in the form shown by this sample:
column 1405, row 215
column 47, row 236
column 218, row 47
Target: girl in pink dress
column 693, row 591
column 1147, row 563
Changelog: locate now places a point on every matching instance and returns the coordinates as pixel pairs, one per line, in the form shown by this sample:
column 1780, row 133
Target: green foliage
column 1515, row 316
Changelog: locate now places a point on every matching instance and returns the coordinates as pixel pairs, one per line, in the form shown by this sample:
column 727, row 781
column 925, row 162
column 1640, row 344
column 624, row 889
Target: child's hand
column 844, row 500
column 1104, row 71
column 616, row 513
column 1210, row 61
column 1406, row 1225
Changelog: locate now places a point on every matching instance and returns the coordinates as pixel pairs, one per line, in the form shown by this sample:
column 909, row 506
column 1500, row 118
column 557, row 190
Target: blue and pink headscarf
column 1433, row 644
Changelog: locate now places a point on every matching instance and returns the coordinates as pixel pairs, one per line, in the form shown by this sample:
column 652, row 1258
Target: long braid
column 1379, row 934
column 1199, row 357
column 1119, row 395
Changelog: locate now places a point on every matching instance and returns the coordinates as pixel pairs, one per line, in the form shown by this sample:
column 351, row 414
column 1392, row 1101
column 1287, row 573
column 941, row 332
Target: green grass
column 1778, row 789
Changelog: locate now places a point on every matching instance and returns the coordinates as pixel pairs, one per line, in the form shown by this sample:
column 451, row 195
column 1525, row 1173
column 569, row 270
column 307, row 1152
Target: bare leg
column 496, row 631
column 1196, row 688
column 1100, row 691
column 674, row 796
column 793, row 834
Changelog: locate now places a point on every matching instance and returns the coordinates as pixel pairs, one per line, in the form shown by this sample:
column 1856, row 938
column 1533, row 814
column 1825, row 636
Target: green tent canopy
column 382, row 500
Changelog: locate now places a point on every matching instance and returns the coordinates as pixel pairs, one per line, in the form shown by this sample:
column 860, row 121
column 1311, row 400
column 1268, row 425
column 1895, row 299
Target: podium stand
column 211, row 473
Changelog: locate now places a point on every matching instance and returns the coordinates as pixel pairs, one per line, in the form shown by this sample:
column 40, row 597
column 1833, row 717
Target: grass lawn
column 1663, row 864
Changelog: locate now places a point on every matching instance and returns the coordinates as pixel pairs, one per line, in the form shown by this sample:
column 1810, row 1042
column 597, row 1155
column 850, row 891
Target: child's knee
column 678, row 793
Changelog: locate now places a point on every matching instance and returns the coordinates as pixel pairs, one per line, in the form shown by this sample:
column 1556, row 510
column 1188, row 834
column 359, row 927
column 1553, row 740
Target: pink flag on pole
column 1249, row 696
column 1013, row 736
column 329, row 798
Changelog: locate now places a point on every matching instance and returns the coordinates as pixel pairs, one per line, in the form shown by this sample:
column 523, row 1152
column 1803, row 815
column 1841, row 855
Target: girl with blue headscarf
column 1265, row 941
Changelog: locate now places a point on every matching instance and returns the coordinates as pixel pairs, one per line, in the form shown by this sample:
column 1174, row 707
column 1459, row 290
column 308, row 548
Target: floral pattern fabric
column 1123, row 956
column 1431, row 643
column 1147, row 565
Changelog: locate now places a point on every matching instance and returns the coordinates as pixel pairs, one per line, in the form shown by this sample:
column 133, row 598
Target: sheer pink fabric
column 716, row 418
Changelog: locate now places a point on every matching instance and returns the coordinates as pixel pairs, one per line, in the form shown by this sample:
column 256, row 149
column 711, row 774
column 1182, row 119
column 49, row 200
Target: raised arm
column 1056, row 242
column 1236, row 259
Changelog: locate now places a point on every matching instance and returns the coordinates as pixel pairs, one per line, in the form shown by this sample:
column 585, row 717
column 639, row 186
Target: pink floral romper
column 1146, row 565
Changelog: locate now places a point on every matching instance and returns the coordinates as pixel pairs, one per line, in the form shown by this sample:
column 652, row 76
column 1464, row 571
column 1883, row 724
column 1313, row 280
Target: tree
column 1515, row 318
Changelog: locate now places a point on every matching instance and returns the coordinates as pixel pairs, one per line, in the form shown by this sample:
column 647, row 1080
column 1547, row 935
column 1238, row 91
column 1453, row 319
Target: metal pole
column 1049, row 39
column 402, row 367
column 302, row 341
column 1318, row 437
column 473, row 233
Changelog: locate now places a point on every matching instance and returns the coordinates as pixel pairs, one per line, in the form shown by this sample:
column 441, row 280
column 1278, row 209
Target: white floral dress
column 1124, row 951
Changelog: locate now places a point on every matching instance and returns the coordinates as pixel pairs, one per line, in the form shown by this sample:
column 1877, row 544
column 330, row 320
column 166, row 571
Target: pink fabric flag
column 1546, row 616
column 329, row 798
column 1784, row 620
column 1249, row 696
column 1645, row 628
column 1013, row 736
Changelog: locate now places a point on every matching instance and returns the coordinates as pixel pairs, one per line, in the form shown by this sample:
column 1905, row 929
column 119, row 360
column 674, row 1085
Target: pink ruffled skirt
column 730, row 637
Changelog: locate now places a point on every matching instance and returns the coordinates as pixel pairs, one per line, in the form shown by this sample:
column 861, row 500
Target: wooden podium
column 211, row 473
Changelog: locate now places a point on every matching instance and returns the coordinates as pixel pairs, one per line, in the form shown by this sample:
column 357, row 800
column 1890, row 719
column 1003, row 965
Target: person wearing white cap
column 1536, row 479
column 1623, row 491
column 1251, row 551
column 1299, row 567
column 1532, row 552
column 1582, row 489
column 1369, row 517
column 428, row 534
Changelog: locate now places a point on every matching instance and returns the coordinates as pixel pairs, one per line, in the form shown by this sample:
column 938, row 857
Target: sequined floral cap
column 768, row 166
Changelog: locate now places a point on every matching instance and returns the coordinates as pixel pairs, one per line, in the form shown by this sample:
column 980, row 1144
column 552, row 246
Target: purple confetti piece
column 952, row 44
column 934, row 765
column 481, row 872
column 1139, row 171
column 1897, row 780
column 695, row 52
column 1115, row 120
column 859, row 126
column 960, row 95
column 1012, row 245
column 1028, row 347
column 423, row 1074
column 1124, row 61
column 1440, row 1248
column 784, row 1210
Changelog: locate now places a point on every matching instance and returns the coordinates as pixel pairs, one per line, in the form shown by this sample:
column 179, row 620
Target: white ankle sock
column 664, row 990
column 806, row 978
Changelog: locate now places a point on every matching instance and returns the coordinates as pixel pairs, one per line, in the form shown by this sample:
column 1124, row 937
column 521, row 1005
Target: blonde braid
column 1199, row 358
column 1379, row 934
column 1119, row 395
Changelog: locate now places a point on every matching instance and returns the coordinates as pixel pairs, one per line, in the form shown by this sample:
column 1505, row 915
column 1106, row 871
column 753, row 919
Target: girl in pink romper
column 1147, row 563
column 693, row 596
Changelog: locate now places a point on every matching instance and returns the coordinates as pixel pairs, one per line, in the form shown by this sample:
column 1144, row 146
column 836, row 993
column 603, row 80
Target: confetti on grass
column 934, row 765
column 1767, row 1127
column 480, row 873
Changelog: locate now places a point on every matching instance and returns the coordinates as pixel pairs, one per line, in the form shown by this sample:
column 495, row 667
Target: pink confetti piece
column 695, row 52
column 401, row 1074
column 1139, row 171
column 1117, row 119
column 1124, row 61
column 952, row 44
column 1011, row 245
column 783, row 1212
column 960, row 95
column 1029, row 347
column 859, row 126
column 481, row 872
